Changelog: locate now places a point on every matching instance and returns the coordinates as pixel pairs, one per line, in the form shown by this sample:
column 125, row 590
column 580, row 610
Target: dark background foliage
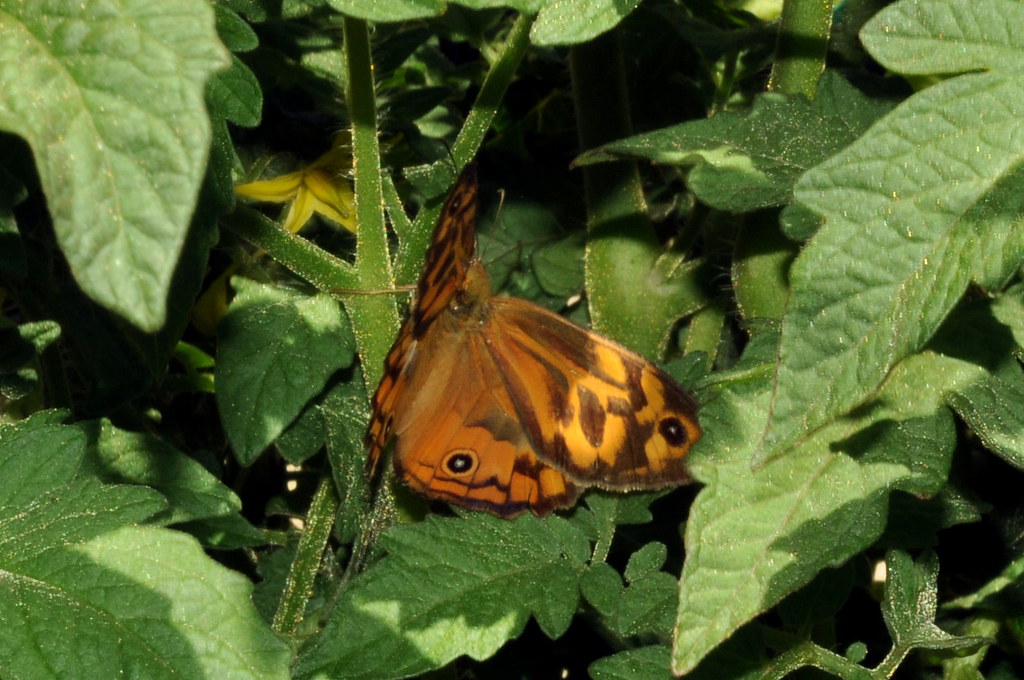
column 808, row 212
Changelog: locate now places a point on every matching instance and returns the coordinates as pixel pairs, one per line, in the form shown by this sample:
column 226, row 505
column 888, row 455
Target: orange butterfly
column 497, row 404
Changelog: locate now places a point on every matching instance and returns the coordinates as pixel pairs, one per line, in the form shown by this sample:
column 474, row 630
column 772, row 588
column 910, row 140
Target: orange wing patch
column 497, row 404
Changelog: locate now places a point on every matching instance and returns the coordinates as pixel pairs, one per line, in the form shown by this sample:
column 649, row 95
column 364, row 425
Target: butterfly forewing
column 444, row 271
column 449, row 255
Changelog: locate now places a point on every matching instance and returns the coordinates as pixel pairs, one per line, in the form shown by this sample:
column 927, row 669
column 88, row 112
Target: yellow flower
column 318, row 188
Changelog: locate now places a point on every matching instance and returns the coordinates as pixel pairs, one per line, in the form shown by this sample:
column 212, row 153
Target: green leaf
column 276, row 351
column 136, row 602
column 754, row 536
column 43, row 501
column 643, row 663
column 602, row 587
column 303, row 437
column 818, row 601
column 739, row 659
column 235, row 94
column 110, row 98
column 559, row 266
column 648, row 605
column 346, row 411
column 237, row 35
column 760, row 270
column 737, row 162
column 37, row 455
column 992, row 409
column 909, row 607
column 570, row 23
column 225, row 532
column 389, row 10
column 83, row 591
column 20, row 347
column 946, row 36
column 557, row 23
column 646, row 561
column 192, row 492
column 1009, row 309
column 997, row 594
column 450, row 587
column 944, row 171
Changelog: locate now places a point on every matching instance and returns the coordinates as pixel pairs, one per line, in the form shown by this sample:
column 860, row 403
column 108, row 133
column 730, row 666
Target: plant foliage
column 810, row 211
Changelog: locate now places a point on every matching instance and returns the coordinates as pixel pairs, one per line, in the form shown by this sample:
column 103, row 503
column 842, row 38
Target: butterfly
column 500, row 405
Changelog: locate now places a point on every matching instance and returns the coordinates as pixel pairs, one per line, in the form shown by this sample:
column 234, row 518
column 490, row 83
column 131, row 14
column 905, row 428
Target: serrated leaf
column 753, row 537
column 737, row 161
column 602, row 587
column 648, row 605
column 135, row 602
column 110, row 99
column 923, row 205
column 910, row 603
column 450, row 587
column 276, row 351
column 946, row 36
column 646, row 561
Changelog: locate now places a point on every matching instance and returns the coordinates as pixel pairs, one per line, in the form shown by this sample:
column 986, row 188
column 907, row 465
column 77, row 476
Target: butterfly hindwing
column 598, row 412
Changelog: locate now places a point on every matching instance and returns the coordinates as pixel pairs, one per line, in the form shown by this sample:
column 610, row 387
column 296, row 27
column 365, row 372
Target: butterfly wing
column 500, row 405
column 450, row 254
column 458, row 438
column 594, row 410
column 444, row 272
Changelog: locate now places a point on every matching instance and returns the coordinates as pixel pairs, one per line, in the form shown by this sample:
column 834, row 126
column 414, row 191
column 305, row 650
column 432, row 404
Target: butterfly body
column 500, row 405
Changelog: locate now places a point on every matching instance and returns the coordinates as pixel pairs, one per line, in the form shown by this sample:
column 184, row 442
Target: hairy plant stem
column 801, row 46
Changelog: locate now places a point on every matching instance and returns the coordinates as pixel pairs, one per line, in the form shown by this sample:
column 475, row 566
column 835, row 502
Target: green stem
column 374, row 317
column 478, row 122
column 805, row 654
column 492, row 91
column 299, row 583
column 314, row 264
column 802, row 43
column 622, row 242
